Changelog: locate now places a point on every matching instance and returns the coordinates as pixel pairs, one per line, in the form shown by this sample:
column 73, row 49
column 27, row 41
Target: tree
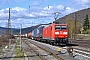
column 71, row 26
column 86, row 23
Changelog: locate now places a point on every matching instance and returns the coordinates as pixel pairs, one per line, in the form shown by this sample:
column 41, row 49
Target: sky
column 27, row 13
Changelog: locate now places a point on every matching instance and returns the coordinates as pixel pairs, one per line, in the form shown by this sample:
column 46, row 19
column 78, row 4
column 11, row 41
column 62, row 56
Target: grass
column 18, row 52
column 83, row 37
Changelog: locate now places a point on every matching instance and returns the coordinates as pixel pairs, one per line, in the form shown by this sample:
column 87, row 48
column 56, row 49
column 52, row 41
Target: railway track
column 81, row 48
column 82, row 53
column 81, row 42
column 47, row 54
column 78, row 51
column 33, row 49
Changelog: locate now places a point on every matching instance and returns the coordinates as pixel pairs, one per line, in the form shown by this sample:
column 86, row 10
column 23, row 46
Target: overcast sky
column 33, row 12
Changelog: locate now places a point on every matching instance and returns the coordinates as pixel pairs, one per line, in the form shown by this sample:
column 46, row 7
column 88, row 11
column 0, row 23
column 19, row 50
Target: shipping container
column 37, row 33
column 34, row 34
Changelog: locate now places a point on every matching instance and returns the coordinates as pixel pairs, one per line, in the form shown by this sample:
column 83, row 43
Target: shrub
column 86, row 31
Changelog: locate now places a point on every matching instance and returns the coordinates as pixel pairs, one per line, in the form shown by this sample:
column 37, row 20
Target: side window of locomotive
column 63, row 27
column 57, row 28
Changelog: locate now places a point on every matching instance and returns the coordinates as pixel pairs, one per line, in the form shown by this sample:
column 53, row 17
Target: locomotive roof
column 55, row 24
column 41, row 25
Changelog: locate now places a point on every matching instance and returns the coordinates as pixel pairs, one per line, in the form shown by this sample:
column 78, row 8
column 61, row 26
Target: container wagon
column 37, row 33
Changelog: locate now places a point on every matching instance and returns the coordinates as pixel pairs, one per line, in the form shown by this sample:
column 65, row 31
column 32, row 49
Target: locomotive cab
column 61, row 33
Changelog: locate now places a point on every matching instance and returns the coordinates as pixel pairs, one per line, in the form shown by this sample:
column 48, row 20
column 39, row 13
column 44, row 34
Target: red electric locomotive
column 56, row 33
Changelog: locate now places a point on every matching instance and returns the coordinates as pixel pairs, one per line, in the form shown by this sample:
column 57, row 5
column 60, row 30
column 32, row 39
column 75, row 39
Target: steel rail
column 41, row 57
column 55, row 55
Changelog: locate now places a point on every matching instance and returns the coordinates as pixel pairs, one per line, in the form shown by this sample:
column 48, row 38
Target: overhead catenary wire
column 69, row 5
column 72, row 3
column 39, row 5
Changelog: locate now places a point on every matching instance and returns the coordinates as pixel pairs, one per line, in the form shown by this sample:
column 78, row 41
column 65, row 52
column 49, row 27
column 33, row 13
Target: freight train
column 52, row 33
column 37, row 33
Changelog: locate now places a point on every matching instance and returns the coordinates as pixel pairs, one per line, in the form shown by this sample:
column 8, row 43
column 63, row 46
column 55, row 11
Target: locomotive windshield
column 60, row 27
column 63, row 27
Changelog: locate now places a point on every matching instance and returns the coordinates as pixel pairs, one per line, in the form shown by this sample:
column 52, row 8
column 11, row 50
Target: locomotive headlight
column 56, row 32
column 64, row 32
